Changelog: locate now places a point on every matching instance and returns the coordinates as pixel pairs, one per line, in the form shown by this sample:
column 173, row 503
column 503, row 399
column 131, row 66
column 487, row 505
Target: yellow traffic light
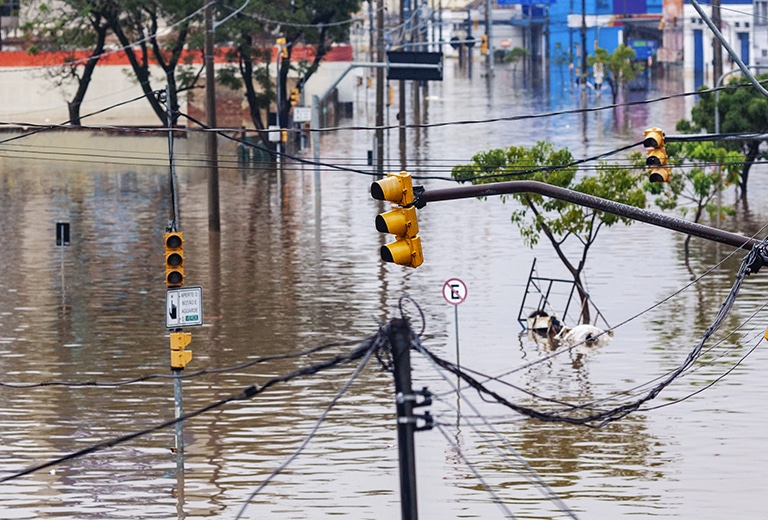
column 401, row 220
column 295, row 97
column 484, row 44
column 174, row 259
column 657, row 155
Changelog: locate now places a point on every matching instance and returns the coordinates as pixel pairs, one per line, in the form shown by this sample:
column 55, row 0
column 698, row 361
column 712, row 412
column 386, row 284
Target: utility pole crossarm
column 590, row 201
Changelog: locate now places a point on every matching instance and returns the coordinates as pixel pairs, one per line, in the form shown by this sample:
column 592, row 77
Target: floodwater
column 296, row 266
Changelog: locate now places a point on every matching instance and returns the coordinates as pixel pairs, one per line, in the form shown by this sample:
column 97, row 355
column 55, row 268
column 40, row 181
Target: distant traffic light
column 174, row 259
column 657, row 155
column 401, row 220
column 295, row 97
column 484, row 44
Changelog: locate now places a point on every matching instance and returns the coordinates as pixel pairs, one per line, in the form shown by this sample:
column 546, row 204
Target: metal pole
column 379, row 137
column 400, row 341
column 582, row 199
column 401, row 101
column 456, row 322
column 488, row 32
column 316, row 141
column 214, row 222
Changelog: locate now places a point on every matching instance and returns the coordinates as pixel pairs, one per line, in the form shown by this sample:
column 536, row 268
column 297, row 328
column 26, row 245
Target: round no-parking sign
column 454, row 291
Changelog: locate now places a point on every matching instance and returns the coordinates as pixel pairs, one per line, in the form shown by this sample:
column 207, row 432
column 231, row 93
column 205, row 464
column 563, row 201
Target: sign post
column 455, row 292
column 62, row 239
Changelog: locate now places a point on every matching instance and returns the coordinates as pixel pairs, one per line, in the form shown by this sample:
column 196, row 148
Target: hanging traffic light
column 295, row 97
column 401, row 220
column 657, row 155
column 484, row 44
column 174, row 259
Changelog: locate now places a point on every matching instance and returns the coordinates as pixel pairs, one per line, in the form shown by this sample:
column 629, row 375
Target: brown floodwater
column 296, row 266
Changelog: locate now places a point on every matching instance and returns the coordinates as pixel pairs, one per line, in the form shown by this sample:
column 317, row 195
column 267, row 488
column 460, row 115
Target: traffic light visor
column 654, row 138
column 404, row 251
column 400, row 221
column 659, row 175
column 396, row 188
column 656, row 157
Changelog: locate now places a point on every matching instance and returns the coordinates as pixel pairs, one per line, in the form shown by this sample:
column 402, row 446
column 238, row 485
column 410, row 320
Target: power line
column 247, row 393
column 367, row 356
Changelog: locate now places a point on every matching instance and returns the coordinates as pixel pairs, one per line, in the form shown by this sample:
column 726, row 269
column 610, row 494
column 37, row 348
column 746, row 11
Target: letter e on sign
column 454, row 291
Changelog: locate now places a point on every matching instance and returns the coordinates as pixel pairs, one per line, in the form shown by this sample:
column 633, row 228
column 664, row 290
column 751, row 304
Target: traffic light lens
column 173, row 241
column 377, row 192
column 175, row 260
column 651, row 142
column 386, row 254
column 653, row 161
column 381, row 224
column 175, row 277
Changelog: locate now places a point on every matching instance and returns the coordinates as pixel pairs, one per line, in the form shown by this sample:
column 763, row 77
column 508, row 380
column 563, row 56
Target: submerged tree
column 558, row 221
column 69, row 27
column 312, row 25
column 137, row 25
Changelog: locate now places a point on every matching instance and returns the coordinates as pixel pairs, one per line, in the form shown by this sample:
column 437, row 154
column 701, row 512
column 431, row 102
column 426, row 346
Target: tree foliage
column 67, row 27
column 558, row 221
column 315, row 24
column 159, row 32
column 620, row 67
column 742, row 109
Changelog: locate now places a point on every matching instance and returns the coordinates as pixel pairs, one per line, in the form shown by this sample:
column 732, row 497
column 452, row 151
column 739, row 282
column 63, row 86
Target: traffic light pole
column 582, row 199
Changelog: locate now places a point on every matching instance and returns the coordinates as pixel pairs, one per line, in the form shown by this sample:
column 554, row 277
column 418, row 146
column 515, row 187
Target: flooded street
column 296, row 267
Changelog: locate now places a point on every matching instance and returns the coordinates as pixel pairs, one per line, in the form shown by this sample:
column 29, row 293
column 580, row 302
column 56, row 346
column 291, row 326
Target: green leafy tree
column 316, row 24
column 137, row 24
column 742, row 109
column 68, row 27
column 620, row 67
column 516, row 55
column 559, row 222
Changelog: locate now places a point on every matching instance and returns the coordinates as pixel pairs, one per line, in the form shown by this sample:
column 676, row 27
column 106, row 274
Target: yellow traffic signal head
column 657, row 155
column 295, row 97
column 404, row 251
column 397, row 188
column 654, row 138
column 174, row 259
column 659, row 174
column 400, row 221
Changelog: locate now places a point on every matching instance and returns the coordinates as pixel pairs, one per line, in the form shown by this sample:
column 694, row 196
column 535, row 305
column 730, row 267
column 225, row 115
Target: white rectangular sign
column 302, row 114
column 183, row 307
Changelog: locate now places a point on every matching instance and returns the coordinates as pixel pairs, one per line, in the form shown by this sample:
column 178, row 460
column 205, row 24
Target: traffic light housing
column 295, row 97
column 657, row 155
column 401, row 220
column 484, row 44
column 174, row 259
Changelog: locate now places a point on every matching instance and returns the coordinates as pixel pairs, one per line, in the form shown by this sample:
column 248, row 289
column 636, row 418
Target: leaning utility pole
column 214, row 223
